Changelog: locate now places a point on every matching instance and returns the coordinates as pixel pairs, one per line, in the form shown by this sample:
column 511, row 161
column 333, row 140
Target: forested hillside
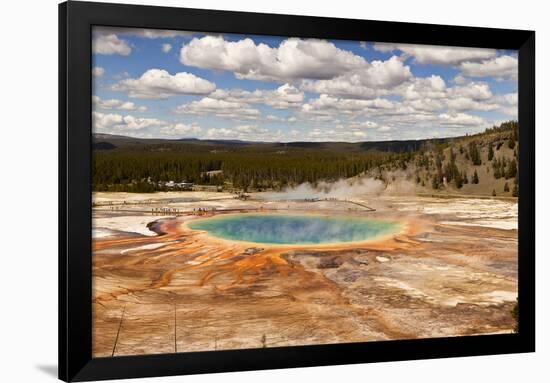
column 484, row 164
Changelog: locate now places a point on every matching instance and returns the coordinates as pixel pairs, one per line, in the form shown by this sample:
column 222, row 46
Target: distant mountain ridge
column 389, row 146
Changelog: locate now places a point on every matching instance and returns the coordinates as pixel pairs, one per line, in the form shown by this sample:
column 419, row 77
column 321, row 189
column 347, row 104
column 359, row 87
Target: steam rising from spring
column 345, row 189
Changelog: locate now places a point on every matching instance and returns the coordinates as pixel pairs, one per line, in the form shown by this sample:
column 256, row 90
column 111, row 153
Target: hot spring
column 286, row 229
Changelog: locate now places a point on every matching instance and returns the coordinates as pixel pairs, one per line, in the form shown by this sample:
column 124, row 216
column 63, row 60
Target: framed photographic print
column 248, row 191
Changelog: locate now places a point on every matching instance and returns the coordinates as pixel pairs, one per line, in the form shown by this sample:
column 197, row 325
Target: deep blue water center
column 293, row 229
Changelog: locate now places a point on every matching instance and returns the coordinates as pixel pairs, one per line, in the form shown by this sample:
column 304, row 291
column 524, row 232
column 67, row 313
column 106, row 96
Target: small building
column 185, row 185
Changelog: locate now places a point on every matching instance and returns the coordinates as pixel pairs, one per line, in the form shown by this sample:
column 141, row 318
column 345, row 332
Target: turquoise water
column 293, row 229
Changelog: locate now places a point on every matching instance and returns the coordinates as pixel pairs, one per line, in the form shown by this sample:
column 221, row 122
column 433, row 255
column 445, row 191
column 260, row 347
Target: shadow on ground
column 48, row 369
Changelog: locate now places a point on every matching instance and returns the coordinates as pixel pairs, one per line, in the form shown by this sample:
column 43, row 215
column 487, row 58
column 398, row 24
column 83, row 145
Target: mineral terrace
column 159, row 287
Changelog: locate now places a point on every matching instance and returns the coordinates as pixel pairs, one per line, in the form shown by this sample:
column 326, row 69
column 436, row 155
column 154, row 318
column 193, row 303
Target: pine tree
column 506, row 187
column 511, row 142
column 491, row 152
column 474, row 153
column 435, row 182
column 497, row 166
column 475, row 178
column 512, row 169
column 458, row 182
column 494, row 194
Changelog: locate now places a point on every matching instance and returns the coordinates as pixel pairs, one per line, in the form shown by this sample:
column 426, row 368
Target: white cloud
column 441, row 55
column 219, row 108
column 250, row 129
column 272, row 118
column 370, row 81
column 508, row 103
column 142, row 127
column 159, row 84
column 361, row 125
column 387, row 73
column 283, row 97
column 166, row 47
column 327, row 104
column 98, row 71
column 116, row 104
column 103, row 122
column 292, row 59
column 180, row 130
column 244, row 132
column 432, row 94
column 460, row 80
column 472, row 90
column 508, row 98
column 137, row 123
column 432, row 87
column 464, row 103
column 110, row 45
column 141, row 32
column 113, row 121
column 460, row 119
column 502, row 67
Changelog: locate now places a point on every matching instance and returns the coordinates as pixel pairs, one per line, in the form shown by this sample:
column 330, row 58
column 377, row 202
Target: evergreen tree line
column 138, row 170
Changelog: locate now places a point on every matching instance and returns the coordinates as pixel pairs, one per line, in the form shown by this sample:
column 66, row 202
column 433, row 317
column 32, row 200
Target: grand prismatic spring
column 294, row 229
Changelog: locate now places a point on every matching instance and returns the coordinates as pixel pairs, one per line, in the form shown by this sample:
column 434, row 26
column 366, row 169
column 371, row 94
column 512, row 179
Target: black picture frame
column 75, row 279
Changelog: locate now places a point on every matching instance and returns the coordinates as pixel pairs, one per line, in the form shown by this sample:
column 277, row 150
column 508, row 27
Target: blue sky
column 175, row 84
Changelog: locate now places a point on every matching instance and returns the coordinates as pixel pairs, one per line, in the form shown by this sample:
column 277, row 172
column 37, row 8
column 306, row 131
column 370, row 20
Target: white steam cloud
column 346, row 189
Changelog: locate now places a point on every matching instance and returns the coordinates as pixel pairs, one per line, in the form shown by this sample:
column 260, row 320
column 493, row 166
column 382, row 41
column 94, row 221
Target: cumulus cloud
column 472, row 90
column 180, row 130
column 292, row 59
column 128, row 124
column 219, row 108
column 104, row 121
column 432, row 94
column 432, row 87
column 508, row 103
column 460, row 119
column 371, row 81
column 502, row 67
column 98, row 71
column 244, row 132
column 326, row 104
column 339, row 133
column 137, row 123
column 283, row 97
column 138, row 126
column 116, row 104
column 159, row 84
column 464, row 103
column 166, row 47
column 110, row 45
column 440, row 55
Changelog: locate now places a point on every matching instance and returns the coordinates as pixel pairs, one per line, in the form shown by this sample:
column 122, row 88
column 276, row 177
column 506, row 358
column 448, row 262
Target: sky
column 177, row 84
